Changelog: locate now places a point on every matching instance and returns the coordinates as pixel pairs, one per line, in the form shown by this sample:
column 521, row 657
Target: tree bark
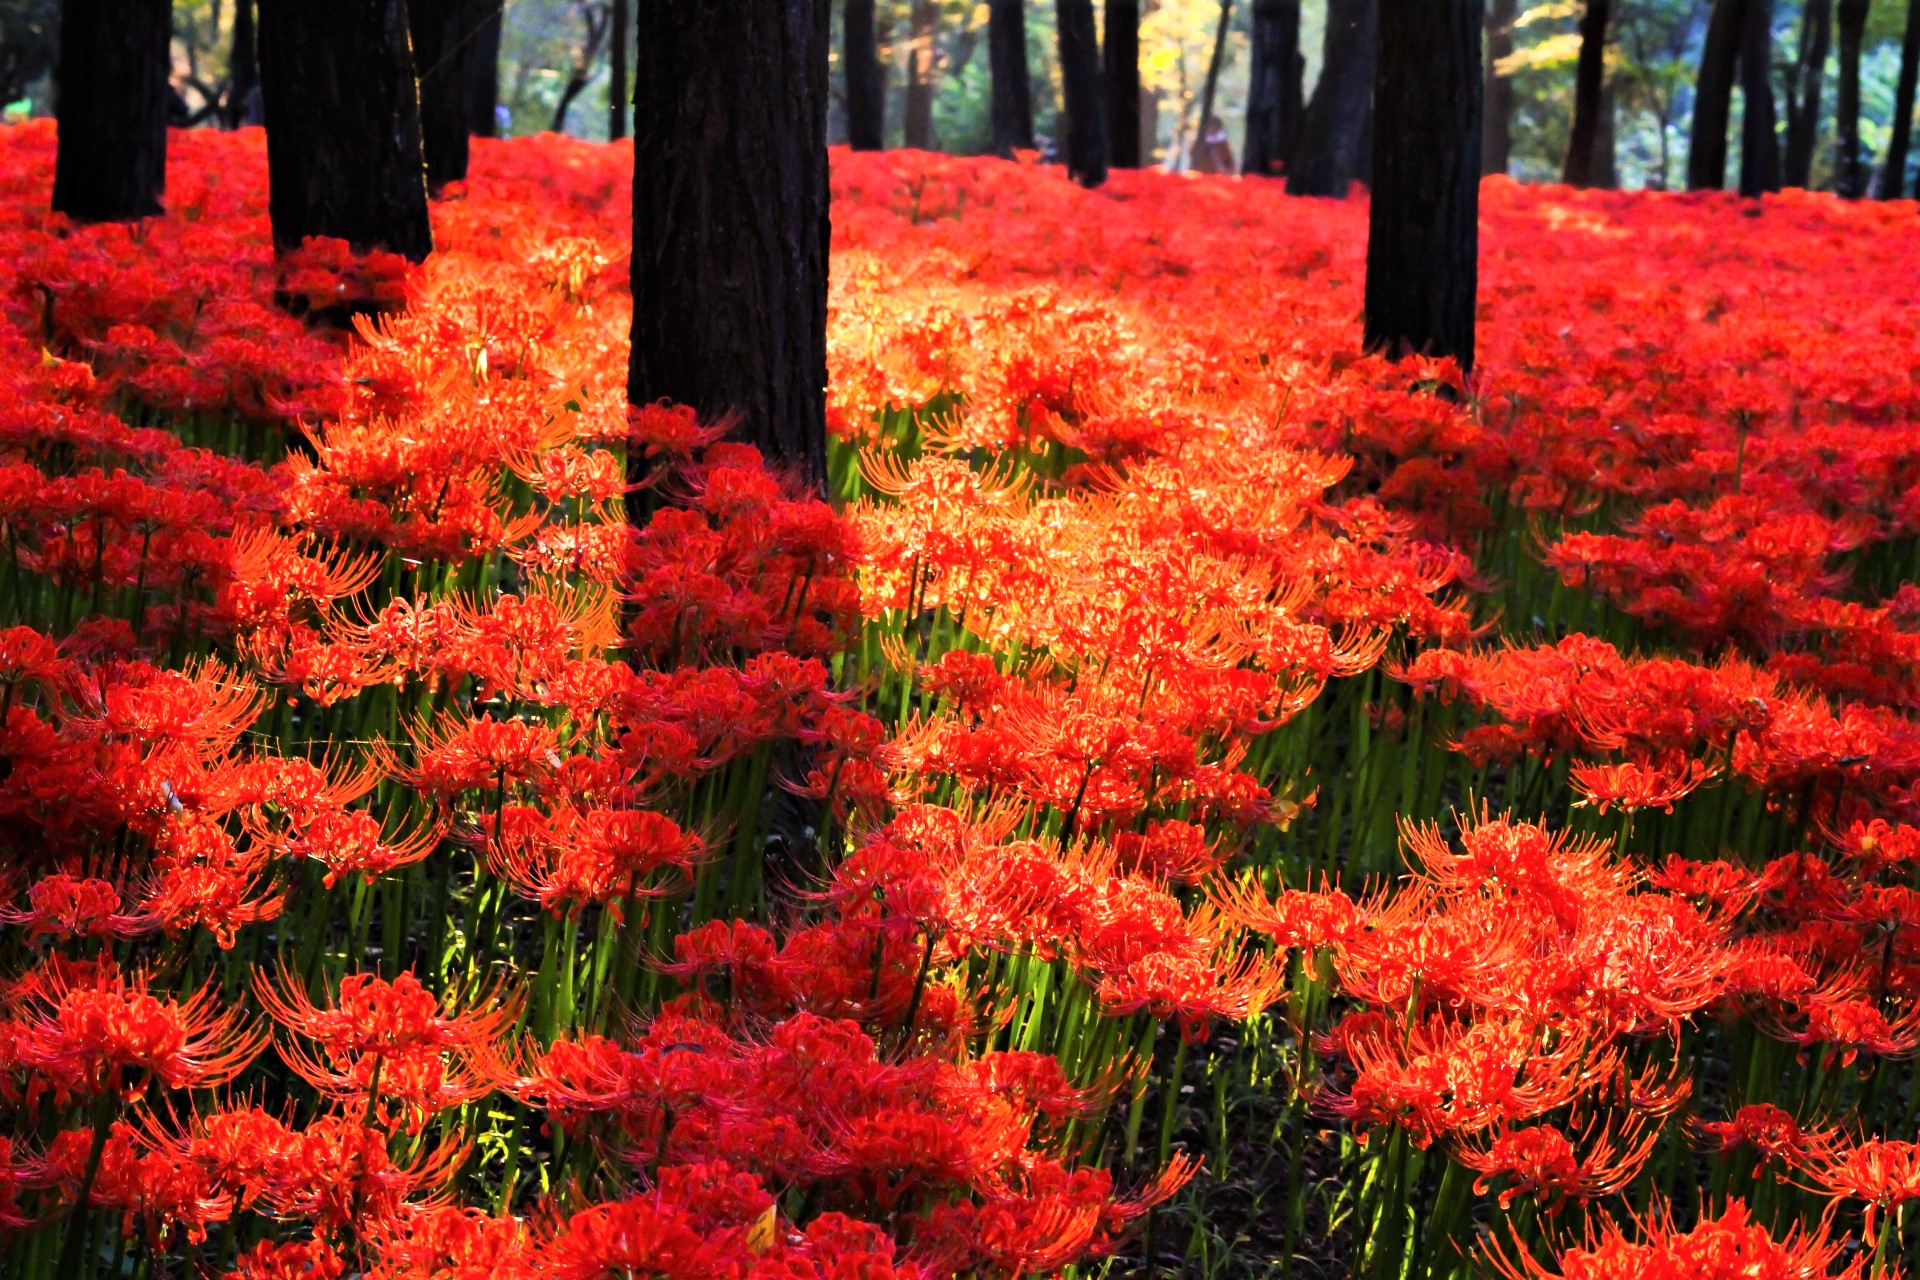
column 916, row 123
column 1850, row 165
column 483, row 70
column 1496, row 134
column 1274, row 105
column 111, row 165
column 343, row 126
column 866, row 78
column 1012, row 83
column 1713, row 97
column 1893, row 174
column 1589, row 84
column 243, row 71
column 1423, row 223
column 1803, row 92
column 1214, row 63
column 440, row 31
column 1759, row 141
column 1334, row 134
column 1122, row 54
column 730, row 225
column 1084, row 105
column 617, row 91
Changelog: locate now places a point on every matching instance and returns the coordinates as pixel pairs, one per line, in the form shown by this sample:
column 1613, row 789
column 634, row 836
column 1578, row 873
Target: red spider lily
column 295, row 1260
column 350, row 842
column 1768, row 1130
column 1730, row 1247
column 466, row 755
column 573, row 857
column 114, row 1034
column 1883, row 1173
column 153, row 1190
column 69, row 906
column 388, row 1044
column 1543, row 1162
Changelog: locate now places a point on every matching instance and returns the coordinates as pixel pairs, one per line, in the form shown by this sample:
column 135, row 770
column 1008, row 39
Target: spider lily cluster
column 456, row 823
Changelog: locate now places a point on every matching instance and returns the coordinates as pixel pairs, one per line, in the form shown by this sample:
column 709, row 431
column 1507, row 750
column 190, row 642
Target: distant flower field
column 1197, row 796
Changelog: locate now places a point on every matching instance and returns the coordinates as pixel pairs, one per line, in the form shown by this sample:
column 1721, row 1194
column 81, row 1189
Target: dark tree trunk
column 1589, row 85
column 1085, row 146
column 1713, row 97
column 618, row 93
column 1214, row 63
column 1423, row 225
column 483, row 70
column 1496, row 134
column 1759, row 141
column 1606, row 155
column 730, row 223
column 112, row 160
column 597, row 20
column 1012, row 83
column 1274, row 105
column 1893, row 174
column 916, row 122
column 343, row 126
column 1850, row 165
column 866, row 79
column 1803, row 92
column 1122, row 54
column 1334, row 135
column 243, row 76
column 440, row 30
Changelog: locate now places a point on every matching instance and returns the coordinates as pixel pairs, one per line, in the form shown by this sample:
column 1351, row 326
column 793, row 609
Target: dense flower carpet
column 1197, row 797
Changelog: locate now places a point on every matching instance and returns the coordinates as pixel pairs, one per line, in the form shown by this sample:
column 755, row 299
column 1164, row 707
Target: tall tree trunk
column 866, row 78
column 1850, row 165
column 1122, row 53
column 730, row 220
column 916, row 123
column 1589, row 83
column 1496, row 133
column 243, row 71
column 440, row 30
column 1893, row 174
column 1423, row 225
column 483, row 70
column 1214, row 64
column 618, row 93
column 1713, row 97
column 1759, row 141
column 1012, row 82
column 1335, row 146
column 1084, row 105
column 343, row 125
column 1606, row 143
column 1274, row 105
column 1803, row 92
column 112, row 160
column 598, row 21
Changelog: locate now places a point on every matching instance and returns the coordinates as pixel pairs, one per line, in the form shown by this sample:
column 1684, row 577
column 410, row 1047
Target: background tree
column 1713, row 97
column 442, row 32
column 1803, row 84
column 1334, row 134
column 1084, row 105
column 242, row 105
column 1496, row 134
column 1759, row 136
column 1893, row 173
column 1274, row 87
column 1423, row 221
column 29, row 44
column 483, row 70
column 916, row 121
column 1850, row 162
column 1589, row 98
column 730, row 222
column 343, row 125
column 112, row 161
column 619, row 40
column 866, row 78
column 1122, row 61
column 596, row 21
column 1012, row 87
